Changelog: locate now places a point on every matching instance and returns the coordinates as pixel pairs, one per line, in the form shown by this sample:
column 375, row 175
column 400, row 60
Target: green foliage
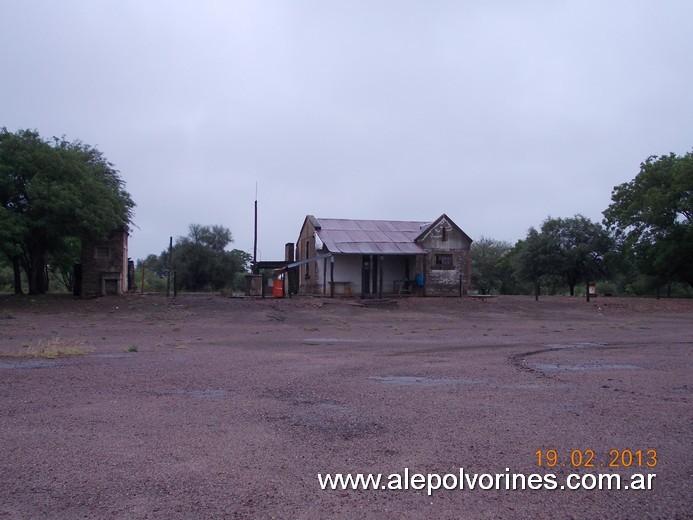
column 533, row 258
column 200, row 260
column 645, row 285
column 606, row 288
column 52, row 193
column 6, row 276
column 652, row 217
column 490, row 274
column 62, row 261
column 579, row 248
column 571, row 249
column 154, row 274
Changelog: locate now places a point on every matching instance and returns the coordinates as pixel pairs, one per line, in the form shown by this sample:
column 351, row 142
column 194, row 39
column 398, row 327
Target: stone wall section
column 105, row 265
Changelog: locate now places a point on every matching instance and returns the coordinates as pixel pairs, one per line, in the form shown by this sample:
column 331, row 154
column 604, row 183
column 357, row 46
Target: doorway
column 369, row 274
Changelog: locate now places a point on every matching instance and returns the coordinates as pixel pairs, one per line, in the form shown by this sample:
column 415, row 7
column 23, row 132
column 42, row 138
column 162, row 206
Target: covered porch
column 370, row 275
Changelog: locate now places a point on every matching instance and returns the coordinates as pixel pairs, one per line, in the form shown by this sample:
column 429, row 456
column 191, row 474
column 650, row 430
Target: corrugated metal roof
column 371, row 237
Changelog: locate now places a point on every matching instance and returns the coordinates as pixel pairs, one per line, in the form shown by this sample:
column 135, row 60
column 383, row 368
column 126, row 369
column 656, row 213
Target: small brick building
column 383, row 257
column 104, row 267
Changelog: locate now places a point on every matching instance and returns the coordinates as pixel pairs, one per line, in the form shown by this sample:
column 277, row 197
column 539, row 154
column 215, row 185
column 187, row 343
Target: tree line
column 644, row 243
column 199, row 261
column 55, row 193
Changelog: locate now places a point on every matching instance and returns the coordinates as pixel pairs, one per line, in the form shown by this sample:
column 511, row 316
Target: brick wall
column 305, row 248
column 447, row 260
column 446, row 281
column 104, row 265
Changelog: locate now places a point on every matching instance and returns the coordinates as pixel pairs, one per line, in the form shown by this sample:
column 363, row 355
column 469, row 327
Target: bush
column 607, row 289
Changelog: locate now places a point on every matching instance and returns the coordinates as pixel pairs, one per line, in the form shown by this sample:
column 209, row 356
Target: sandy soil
column 212, row 407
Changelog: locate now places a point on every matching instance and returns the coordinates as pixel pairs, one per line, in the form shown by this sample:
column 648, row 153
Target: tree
column 579, row 248
column 569, row 248
column 653, row 216
column 534, row 259
column 61, row 263
column 202, row 261
column 52, row 192
column 489, row 273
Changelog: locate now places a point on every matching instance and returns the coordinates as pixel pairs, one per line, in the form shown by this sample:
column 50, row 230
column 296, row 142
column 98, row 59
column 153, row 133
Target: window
column 102, row 252
column 442, row 261
column 444, row 238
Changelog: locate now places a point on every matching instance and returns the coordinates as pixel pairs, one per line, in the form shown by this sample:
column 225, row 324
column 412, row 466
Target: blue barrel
column 419, row 279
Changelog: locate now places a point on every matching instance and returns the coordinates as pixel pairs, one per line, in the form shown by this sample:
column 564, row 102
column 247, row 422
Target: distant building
column 104, row 267
column 369, row 257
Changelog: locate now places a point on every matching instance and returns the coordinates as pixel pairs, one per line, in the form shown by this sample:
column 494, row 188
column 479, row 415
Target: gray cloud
column 497, row 113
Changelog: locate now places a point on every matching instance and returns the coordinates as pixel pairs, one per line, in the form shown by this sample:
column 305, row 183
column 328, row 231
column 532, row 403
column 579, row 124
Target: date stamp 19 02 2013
column 588, row 458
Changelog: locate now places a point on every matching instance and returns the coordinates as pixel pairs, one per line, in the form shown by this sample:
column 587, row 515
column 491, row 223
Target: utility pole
column 168, row 276
column 255, row 236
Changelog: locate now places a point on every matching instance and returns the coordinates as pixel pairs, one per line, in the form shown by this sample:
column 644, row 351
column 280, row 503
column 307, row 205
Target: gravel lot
column 210, row 407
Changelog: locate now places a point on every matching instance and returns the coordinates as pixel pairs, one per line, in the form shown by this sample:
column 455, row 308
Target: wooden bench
column 403, row 286
column 346, row 288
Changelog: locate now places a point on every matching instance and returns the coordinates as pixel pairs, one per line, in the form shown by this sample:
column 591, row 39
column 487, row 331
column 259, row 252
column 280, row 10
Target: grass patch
column 53, row 349
column 172, row 346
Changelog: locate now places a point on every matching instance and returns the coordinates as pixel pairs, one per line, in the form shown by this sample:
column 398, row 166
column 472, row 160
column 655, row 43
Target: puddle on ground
column 32, row 363
column 328, row 340
column 555, row 367
column 205, row 394
column 301, row 366
column 422, row 381
column 574, row 345
column 522, row 386
column 333, row 407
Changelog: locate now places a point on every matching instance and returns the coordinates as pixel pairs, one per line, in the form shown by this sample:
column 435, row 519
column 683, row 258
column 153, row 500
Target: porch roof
column 371, row 237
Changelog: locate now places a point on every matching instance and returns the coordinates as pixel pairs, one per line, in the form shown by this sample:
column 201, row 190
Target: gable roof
column 370, row 237
column 433, row 224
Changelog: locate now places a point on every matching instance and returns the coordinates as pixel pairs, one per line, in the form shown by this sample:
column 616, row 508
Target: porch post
column 332, row 277
column 380, row 277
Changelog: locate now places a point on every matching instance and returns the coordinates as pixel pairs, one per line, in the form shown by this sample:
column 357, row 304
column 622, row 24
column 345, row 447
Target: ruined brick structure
column 104, row 266
column 448, row 259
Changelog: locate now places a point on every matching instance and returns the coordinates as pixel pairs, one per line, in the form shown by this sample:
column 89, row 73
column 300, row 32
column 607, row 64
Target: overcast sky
column 498, row 113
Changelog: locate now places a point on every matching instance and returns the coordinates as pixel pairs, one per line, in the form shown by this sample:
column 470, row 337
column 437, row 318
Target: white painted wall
column 393, row 269
column 347, row 268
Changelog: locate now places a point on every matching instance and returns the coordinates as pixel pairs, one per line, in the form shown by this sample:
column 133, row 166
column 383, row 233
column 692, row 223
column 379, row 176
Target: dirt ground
column 211, row 407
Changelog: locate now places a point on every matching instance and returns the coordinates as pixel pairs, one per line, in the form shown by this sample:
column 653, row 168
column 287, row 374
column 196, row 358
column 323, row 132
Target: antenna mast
column 255, row 235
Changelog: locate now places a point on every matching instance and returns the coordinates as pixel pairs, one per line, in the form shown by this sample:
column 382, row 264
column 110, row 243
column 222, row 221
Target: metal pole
column 332, row 277
column 255, row 236
column 380, row 277
column 168, row 274
column 425, row 278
